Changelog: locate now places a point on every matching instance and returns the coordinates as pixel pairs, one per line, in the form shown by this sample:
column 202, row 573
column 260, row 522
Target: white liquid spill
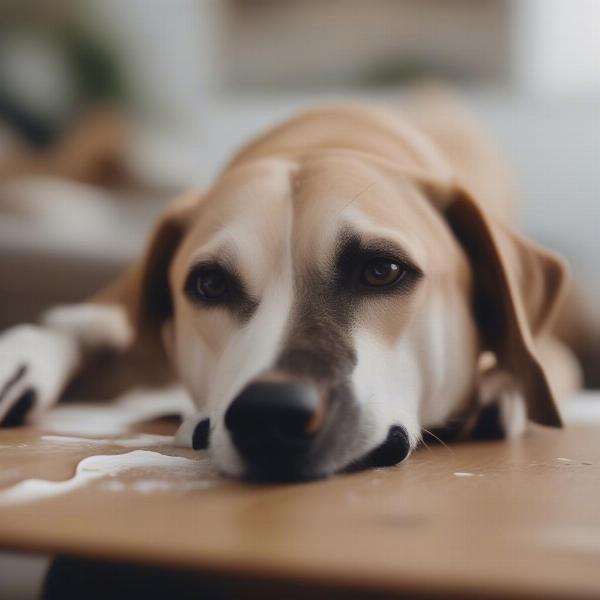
column 115, row 417
column 148, row 486
column 143, row 440
column 171, row 473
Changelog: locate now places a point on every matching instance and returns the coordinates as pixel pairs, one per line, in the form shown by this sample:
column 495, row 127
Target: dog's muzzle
column 287, row 428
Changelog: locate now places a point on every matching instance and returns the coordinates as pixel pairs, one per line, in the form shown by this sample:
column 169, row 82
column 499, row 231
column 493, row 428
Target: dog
column 352, row 279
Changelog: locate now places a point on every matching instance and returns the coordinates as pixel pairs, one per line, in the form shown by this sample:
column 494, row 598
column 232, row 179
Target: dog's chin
column 288, row 469
column 283, row 474
column 395, row 449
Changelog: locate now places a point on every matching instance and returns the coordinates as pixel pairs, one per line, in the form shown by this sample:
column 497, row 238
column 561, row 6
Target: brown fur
column 441, row 166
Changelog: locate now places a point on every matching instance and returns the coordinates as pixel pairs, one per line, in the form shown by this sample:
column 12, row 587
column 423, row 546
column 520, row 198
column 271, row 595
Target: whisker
column 426, row 445
column 438, row 439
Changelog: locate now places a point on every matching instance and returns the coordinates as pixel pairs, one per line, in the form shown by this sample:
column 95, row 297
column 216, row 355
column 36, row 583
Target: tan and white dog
column 352, row 278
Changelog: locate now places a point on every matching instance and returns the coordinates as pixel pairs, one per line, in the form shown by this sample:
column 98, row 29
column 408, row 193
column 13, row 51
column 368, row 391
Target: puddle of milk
column 142, row 440
column 115, row 417
column 179, row 474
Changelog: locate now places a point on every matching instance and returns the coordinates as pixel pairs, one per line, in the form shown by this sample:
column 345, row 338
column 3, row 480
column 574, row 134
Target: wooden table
column 503, row 519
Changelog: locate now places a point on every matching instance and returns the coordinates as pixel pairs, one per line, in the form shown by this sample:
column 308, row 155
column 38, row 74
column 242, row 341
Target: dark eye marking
column 374, row 267
column 209, row 284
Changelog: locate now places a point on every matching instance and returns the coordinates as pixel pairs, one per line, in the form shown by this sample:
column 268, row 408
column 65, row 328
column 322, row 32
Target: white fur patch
column 113, row 418
column 444, row 341
column 387, row 386
column 93, row 325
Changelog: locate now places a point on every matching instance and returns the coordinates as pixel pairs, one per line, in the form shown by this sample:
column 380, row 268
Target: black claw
column 201, row 435
column 19, row 373
column 19, row 410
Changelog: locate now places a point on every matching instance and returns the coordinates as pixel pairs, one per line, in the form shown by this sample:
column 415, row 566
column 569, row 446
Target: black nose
column 273, row 421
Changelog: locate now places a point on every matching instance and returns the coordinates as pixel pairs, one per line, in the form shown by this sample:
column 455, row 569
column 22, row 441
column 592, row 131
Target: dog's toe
column 18, row 411
column 16, row 396
column 9, row 381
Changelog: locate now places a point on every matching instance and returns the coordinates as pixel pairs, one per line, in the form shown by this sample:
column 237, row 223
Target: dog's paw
column 502, row 407
column 35, row 365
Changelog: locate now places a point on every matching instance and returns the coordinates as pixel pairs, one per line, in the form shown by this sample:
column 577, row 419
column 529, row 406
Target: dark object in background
column 71, row 578
column 83, row 141
column 34, row 130
column 93, row 77
column 77, row 578
column 92, row 151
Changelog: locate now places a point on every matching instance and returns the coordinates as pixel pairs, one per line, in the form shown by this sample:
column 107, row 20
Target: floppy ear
column 517, row 290
column 143, row 290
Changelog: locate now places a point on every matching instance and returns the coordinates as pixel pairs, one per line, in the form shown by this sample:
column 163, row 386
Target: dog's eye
column 382, row 272
column 207, row 283
column 211, row 285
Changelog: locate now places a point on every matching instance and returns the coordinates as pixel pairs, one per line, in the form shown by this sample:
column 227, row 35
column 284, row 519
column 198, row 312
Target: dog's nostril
column 268, row 416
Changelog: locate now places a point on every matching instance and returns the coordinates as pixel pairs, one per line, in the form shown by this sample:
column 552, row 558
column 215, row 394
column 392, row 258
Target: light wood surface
column 484, row 520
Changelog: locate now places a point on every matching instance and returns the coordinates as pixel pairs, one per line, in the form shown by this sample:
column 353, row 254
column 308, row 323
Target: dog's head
column 322, row 311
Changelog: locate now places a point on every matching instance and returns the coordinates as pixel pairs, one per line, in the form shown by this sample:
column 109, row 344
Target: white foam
column 178, row 473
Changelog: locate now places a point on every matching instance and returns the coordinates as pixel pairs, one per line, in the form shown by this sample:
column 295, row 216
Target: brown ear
column 143, row 290
column 517, row 290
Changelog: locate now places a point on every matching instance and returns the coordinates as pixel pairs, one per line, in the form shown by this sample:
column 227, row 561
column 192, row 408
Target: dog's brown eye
column 382, row 272
column 210, row 283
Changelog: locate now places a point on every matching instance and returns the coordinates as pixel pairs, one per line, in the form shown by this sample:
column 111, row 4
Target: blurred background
column 109, row 107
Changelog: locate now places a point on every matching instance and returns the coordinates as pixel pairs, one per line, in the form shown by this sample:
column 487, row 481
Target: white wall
column 556, row 46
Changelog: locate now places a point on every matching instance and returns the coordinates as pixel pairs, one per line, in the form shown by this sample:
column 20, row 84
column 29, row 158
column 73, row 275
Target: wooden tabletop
column 502, row 519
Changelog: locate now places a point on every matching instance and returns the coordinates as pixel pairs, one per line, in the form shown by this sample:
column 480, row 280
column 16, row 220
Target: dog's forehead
column 245, row 215
column 257, row 194
column 264, row 210
column 335, row 194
